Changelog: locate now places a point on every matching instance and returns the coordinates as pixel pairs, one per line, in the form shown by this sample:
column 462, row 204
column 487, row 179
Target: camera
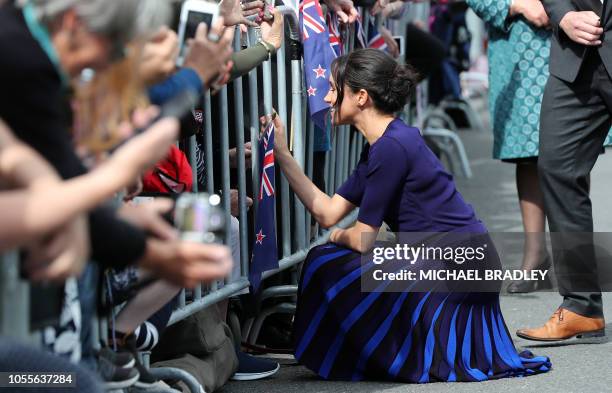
column 200, row 218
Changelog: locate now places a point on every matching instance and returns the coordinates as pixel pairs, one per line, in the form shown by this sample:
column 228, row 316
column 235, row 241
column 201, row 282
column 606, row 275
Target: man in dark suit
column 575, row 119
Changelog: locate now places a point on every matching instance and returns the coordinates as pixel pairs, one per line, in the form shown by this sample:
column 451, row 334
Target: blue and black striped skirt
column 342, row 333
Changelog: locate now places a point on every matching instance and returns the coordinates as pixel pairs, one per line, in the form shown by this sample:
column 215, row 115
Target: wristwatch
column 269, row 47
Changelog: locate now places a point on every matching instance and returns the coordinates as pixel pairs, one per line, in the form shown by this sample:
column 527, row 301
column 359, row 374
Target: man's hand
column 234, row 206
column 186, row 264
column 148, row 217
column 387, row 8
column 233, row 156
column 211, row 60
column 532, row 10
column 582, row 27
column 61, row 255
column 272, row 32
column 394, row 49
column 345, row 9
column 159, row 56
column 235, row 12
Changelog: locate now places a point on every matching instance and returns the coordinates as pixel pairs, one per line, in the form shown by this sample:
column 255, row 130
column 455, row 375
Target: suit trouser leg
column 575, row 120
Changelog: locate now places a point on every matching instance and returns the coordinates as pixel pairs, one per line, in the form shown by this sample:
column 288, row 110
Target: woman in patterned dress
column 519, row 48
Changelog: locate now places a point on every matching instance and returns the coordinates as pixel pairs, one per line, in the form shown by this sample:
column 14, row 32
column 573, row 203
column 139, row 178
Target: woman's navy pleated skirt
column 343, row 333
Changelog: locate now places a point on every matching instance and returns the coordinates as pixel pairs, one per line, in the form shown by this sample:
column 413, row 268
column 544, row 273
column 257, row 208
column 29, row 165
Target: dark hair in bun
column 388, row 83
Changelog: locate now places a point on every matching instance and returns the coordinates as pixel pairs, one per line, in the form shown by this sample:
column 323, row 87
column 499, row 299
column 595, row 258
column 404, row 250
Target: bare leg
column 531, row 202
column 144, row 304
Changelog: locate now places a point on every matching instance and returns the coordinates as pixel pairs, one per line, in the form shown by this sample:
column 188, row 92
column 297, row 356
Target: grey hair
column 121, row 20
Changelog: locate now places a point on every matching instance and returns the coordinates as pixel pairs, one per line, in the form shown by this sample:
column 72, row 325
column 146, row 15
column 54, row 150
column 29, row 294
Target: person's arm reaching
column 328, row 211
column 382, row 181
column 47, row 202
column 271, row 40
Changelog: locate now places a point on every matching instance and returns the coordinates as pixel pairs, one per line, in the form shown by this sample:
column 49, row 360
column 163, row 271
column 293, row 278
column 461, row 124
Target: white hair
column 121, row 20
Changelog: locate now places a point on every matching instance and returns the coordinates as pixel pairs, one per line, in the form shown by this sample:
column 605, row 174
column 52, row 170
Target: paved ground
column 577, row 367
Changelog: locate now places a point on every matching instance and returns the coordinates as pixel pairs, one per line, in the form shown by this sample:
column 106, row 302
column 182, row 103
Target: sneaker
column 119, row 359
column 146, row 379
column 116, row 377
column 251, row 368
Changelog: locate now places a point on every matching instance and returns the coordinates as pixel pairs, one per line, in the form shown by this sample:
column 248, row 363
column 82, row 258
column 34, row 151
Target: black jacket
column 566, row 56
column 34, row 105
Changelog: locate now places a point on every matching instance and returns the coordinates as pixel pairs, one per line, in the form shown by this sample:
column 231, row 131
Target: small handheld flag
column 265, row 256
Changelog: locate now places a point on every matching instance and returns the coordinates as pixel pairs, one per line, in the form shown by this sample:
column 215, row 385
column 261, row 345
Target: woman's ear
column 362, row 98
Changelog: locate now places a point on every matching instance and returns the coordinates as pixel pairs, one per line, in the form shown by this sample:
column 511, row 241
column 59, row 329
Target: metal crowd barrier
column 294, row 223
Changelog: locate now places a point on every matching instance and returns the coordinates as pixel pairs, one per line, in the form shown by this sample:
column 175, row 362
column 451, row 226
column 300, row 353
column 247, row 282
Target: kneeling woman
column 344, row 333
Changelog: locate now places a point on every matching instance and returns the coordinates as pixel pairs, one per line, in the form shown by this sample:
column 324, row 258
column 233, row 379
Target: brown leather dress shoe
column 565, row 324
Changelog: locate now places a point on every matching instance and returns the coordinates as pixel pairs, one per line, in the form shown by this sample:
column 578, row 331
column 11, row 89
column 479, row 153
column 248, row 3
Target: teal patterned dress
column 518, row 71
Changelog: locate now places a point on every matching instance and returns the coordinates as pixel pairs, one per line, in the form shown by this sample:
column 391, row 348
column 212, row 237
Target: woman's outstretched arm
column 328, row 211
column 40, row 202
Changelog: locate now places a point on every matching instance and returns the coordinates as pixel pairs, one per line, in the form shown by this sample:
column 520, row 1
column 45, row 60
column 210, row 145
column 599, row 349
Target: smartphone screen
column 399, row 40
column 194, row 18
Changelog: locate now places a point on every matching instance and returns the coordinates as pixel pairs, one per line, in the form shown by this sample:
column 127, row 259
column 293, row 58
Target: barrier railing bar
column 208, row 300
column 309, row 171
column 225, row 165
column 254, row 114
column 298, row 140
column 241, row 166
column 340, row 136
column 14, row 300
column 281, row 86
column 346, row 147
column 193, row 161
column 353, row 152
column 208, row 143
column 182, row 298
column 330, row 175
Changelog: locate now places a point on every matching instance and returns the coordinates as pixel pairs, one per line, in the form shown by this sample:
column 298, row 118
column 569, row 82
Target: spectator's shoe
column 565, row 324
column 119, row 359
column 251, row 368
column 128, row 346
column 146, row 380
column 116, row 377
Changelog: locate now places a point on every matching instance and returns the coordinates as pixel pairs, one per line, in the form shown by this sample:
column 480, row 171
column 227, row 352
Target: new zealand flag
column 318, row 56
column 335, row 38
column 264, row 250
column 375, row 39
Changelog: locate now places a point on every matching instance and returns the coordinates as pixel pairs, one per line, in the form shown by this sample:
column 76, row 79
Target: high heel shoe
column 528, row 286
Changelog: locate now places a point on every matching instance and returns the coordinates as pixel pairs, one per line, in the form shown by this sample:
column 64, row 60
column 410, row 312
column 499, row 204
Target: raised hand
column 210, row 59
column 272, row 32
column 159, row 56
column 186, row 263
column 236, row 12
column 345, row 9
column 280, row 138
